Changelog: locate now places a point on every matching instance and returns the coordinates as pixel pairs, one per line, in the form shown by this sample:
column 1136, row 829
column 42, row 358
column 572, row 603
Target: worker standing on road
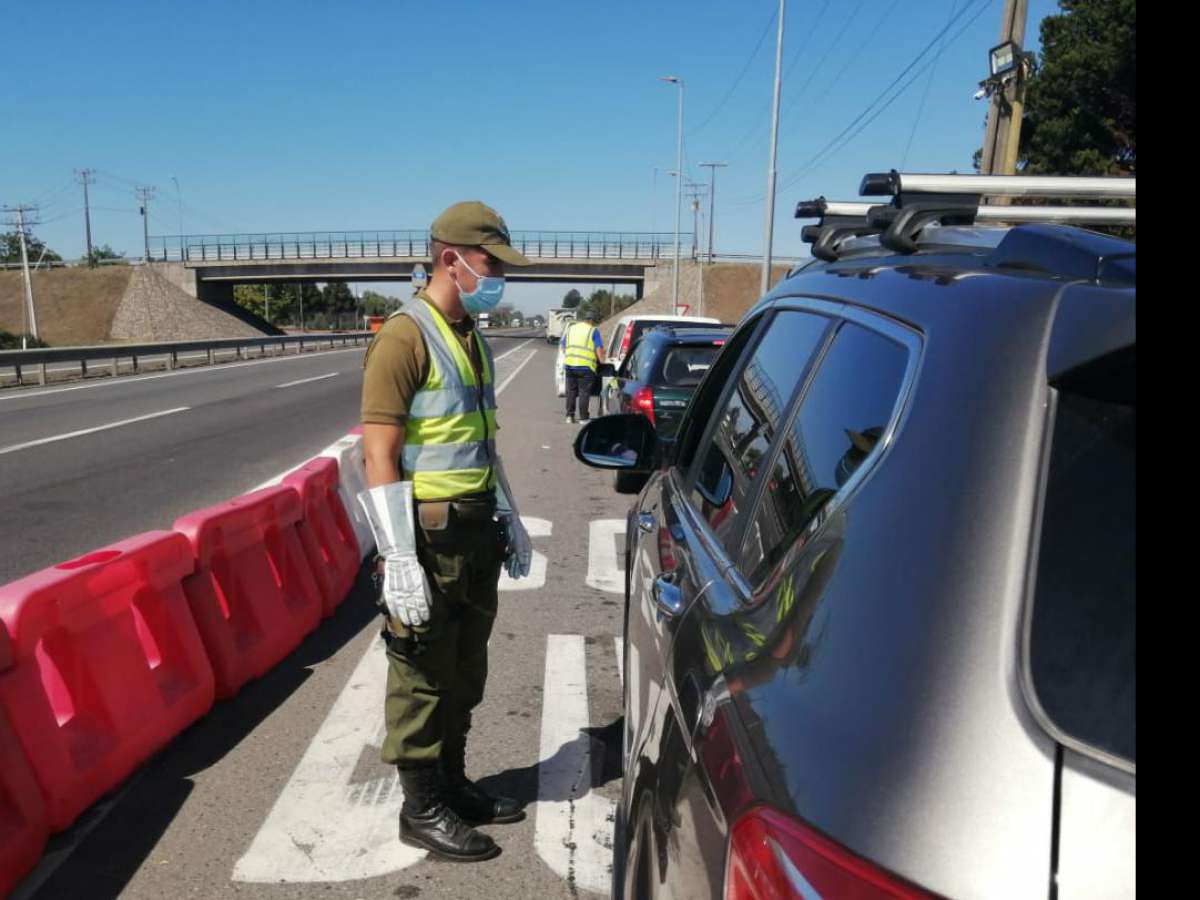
column 583, row 351
column 444, row 521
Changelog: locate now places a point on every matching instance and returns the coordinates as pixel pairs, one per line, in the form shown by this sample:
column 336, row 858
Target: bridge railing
column 406, row 245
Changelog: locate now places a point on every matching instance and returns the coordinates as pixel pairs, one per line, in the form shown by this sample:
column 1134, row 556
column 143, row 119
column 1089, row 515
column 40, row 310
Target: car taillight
column 774, row 855
column 643, row 402
column 718, row 343
column 625, row 340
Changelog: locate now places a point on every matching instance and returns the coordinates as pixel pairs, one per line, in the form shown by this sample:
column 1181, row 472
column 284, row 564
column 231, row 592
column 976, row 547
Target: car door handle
column 668, row 596
column 645, row 522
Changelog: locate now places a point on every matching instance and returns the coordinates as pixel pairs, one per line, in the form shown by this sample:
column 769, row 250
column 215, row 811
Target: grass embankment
column 75, row 306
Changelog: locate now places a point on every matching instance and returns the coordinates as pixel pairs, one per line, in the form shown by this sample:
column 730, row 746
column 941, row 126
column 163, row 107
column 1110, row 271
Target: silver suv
column 880, row 622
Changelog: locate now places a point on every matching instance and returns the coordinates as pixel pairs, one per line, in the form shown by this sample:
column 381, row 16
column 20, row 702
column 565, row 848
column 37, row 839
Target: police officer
column 583, row 350
column 445, row 523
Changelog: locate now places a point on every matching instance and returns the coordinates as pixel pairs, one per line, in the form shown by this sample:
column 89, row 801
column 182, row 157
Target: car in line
column 626, row 332
column 658, row 378
column 880, row 618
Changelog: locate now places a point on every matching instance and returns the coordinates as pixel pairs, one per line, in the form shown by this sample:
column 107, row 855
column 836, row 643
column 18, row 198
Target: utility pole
column 28, row 313
column 267, row 302
column 144, row 195
column 712, row 193
column 678, row 82
column 770, row 223
column 86, row 178
column 1005, row 85
column 695, row 192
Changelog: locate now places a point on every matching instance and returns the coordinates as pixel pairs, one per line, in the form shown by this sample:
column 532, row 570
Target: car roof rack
column 838, row 221
column 919, row 200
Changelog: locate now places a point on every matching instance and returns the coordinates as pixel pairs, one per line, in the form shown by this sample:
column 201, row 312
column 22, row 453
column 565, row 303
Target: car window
column 1082, row 641
column 841, row 418
column 629, row 363
column 684, row 366
column 746, row 425
column 695, row 423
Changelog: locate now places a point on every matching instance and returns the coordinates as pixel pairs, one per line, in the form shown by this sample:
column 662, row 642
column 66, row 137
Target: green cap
column 474, row 224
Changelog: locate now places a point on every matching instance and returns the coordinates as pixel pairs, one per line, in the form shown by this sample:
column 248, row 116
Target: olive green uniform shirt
column 397, row 364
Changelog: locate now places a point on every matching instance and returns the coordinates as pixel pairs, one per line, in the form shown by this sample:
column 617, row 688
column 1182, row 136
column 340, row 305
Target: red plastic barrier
column 253, row 595
column 325, row 531
column 108, row 666
column 23, row 828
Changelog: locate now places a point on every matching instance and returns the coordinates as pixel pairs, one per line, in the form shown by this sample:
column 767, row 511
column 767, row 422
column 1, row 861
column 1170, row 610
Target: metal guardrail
column 39, row 358
column 408, row 244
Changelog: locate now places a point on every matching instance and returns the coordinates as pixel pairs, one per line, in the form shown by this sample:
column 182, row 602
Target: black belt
column 475, row 508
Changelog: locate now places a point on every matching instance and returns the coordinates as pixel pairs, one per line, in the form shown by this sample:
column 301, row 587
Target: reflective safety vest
column 580, row 351
column 450, row 430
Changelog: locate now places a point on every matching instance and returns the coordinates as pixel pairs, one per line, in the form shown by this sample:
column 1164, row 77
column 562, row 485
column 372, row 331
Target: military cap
column 473, row 224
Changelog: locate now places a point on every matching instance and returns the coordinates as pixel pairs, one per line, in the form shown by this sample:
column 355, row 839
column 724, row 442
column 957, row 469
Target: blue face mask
column 489, row 289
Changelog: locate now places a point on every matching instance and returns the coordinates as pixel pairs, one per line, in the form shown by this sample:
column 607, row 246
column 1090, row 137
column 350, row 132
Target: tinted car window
column 841, row 418
column 683, row 366
column 750, row 419
column 707, row 396
column 1083, row 642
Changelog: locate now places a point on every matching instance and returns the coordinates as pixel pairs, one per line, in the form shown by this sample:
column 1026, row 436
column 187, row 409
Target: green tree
column 603, row 303
column 376, row 304
column 339, row 302
column 10, row 249
column 1081, row 101
column 572, row 299
column 105, row 252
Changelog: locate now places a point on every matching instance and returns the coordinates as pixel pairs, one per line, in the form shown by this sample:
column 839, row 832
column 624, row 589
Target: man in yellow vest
column 445, row 524
column 583, row 351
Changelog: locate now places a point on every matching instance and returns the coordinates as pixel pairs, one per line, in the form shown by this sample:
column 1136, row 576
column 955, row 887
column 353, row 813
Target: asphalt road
column 279, row 792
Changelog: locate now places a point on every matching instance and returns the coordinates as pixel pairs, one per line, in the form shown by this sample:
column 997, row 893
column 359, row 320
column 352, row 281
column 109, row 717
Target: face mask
column 488, row 291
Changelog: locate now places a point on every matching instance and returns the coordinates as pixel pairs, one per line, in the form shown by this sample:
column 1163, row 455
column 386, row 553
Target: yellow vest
column 450, row 431
column 580, row 350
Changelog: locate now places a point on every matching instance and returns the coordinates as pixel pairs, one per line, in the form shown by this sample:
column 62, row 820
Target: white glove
column 389, row 509
column 520, row 548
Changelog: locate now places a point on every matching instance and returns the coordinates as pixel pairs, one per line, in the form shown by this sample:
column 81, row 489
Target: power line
column 867, row 111
column 753, row 56
column 830, row 148
column 924, row 96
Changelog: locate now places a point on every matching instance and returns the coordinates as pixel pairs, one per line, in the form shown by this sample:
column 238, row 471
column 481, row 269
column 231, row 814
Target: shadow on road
column 602, row 747
column 106, row 859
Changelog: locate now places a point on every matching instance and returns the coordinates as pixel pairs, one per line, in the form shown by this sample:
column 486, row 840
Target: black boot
column 426, row 821
column 468, row 799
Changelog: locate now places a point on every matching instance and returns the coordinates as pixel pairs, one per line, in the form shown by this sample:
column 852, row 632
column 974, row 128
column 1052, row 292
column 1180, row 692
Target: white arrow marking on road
column 323, row 827
column 537, row 528
column 574, row 827
column 604, row 569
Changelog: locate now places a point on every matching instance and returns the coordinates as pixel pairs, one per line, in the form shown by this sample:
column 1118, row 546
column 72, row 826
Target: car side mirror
column 625, row 441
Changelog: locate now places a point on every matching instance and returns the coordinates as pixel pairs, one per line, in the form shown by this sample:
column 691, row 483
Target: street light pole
column 676, row 80
column 770, row 223
column 179, row 202
column 712, row 192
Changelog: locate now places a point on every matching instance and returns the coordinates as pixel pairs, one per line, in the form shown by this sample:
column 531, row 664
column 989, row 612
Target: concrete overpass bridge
column 207, row 266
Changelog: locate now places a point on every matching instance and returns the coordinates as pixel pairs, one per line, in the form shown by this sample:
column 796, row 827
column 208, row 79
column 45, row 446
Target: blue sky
column 337, row 116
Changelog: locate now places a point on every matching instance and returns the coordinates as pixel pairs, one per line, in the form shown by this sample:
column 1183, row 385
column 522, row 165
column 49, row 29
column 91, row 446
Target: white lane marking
column 619, row 645
column 306, row 380
column 537, row 528
column 199, row 370
column 573, row 834
column 324, row 826
column 604, row 569
column 74, row 434
column 512, row 351
column 505, row 383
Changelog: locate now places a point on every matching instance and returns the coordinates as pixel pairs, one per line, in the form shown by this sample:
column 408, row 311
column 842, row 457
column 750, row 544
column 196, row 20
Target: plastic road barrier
column 108, row 666
column 23, row 827
column 325, row 531
column 252, row 595
column 352, row 480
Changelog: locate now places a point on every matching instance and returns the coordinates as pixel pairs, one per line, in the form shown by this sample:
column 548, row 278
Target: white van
column 557, row 321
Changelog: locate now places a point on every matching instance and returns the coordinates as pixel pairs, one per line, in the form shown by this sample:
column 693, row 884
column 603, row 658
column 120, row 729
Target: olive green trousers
column 437, row 672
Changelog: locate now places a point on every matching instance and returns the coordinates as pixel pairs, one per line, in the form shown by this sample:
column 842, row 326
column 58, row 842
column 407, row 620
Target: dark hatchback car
column 880, row 617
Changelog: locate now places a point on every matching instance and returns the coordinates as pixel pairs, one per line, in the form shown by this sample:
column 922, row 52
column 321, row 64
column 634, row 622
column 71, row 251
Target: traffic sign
column 419, row 278
column 681, row 309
